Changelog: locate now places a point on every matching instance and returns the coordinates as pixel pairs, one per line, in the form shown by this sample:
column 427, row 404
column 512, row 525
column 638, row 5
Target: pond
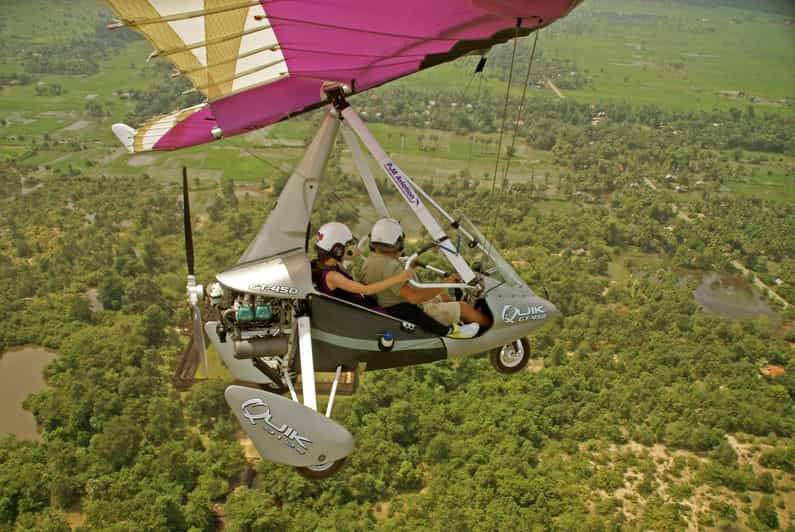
column 731, row 296
column 20, row 375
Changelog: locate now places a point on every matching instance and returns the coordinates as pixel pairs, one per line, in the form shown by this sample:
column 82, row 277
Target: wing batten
column 207, row 40
column 267, row 48
column 221, row 39
column 236, row 76
column 136, row 23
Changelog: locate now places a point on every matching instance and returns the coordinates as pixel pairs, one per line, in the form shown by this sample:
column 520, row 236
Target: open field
column 621, row 268
column 671, row 54
column 772, row 187
column 677, row 55
column 24, row 21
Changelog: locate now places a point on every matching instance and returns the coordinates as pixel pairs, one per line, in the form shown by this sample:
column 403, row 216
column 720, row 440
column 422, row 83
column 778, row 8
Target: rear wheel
column 323, row 471
column 511, row 358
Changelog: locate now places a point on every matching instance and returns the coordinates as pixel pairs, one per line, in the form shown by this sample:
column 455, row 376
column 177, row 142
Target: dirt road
column 556, row 89
column 759, row 284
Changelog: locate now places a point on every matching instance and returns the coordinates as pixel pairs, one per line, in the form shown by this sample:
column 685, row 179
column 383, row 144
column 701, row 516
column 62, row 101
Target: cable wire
column 502, row 127
column 505, row 105
column 521, row 109
column 513, row 140
column 472, row 137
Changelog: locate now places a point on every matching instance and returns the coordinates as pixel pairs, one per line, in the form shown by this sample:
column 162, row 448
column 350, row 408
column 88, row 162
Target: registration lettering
column 512, row 314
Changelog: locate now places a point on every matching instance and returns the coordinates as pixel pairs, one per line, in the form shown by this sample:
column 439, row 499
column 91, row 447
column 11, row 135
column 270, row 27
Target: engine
column 258, row 326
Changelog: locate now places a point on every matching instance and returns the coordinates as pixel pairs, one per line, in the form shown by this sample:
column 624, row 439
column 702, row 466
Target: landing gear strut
column 324, row 470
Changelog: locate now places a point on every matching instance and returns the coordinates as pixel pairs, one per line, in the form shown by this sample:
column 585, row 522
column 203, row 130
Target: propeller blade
column 186, row 221
column 198, row 338
column 195, row 292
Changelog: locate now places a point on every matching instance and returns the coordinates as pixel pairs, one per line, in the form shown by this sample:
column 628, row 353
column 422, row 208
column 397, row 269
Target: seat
column 350, row 333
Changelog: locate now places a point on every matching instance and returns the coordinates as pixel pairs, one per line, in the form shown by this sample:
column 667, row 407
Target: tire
column 322, row 472
column 278, row 389
column 511, row 358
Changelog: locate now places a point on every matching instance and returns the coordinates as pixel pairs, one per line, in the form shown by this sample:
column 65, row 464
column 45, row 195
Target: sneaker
column 463, row 331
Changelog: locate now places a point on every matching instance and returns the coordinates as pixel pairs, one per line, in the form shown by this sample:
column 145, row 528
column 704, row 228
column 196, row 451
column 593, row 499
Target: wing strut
column 364, row 170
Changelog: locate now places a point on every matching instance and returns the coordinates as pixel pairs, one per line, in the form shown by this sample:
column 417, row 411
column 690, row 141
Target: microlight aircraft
column 258, row 62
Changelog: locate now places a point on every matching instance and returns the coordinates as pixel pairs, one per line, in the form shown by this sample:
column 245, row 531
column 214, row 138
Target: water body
column 20, row 375
column 731, row 296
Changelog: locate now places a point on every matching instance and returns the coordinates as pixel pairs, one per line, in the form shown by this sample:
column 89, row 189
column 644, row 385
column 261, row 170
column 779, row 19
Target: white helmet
column 387, row 232
column 333, row 237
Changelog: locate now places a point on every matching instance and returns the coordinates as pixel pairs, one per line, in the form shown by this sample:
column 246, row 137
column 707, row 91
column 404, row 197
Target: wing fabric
column 260, row 61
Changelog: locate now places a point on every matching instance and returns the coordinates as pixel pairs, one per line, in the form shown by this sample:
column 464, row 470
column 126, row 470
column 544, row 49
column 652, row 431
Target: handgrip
column 412, row 282
column 462, row 286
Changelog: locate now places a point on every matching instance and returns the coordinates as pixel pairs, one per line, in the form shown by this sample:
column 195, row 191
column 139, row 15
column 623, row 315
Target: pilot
column 402, row 301
column 335, row 242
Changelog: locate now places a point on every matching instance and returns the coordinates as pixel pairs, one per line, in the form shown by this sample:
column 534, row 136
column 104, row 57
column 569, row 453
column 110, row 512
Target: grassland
column 679, row 56
column 44, row 21
column 670, row 54
column 778, row 188
column 621, row 268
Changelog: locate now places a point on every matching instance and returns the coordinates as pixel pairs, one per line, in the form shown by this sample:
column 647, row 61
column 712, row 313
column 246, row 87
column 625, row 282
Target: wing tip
column 125, row 134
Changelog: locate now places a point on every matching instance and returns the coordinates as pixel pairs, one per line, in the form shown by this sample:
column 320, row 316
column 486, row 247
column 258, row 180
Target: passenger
column 386, row 242
column 334, row 242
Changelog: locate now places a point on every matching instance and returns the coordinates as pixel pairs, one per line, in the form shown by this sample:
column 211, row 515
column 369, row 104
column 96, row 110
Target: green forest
column 645, row 407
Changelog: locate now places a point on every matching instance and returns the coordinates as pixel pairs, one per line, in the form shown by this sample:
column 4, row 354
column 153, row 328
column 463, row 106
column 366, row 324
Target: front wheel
column 511, row 358
column 322, row 472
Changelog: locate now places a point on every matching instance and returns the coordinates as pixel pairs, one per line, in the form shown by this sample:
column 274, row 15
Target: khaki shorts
column 445, row 312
